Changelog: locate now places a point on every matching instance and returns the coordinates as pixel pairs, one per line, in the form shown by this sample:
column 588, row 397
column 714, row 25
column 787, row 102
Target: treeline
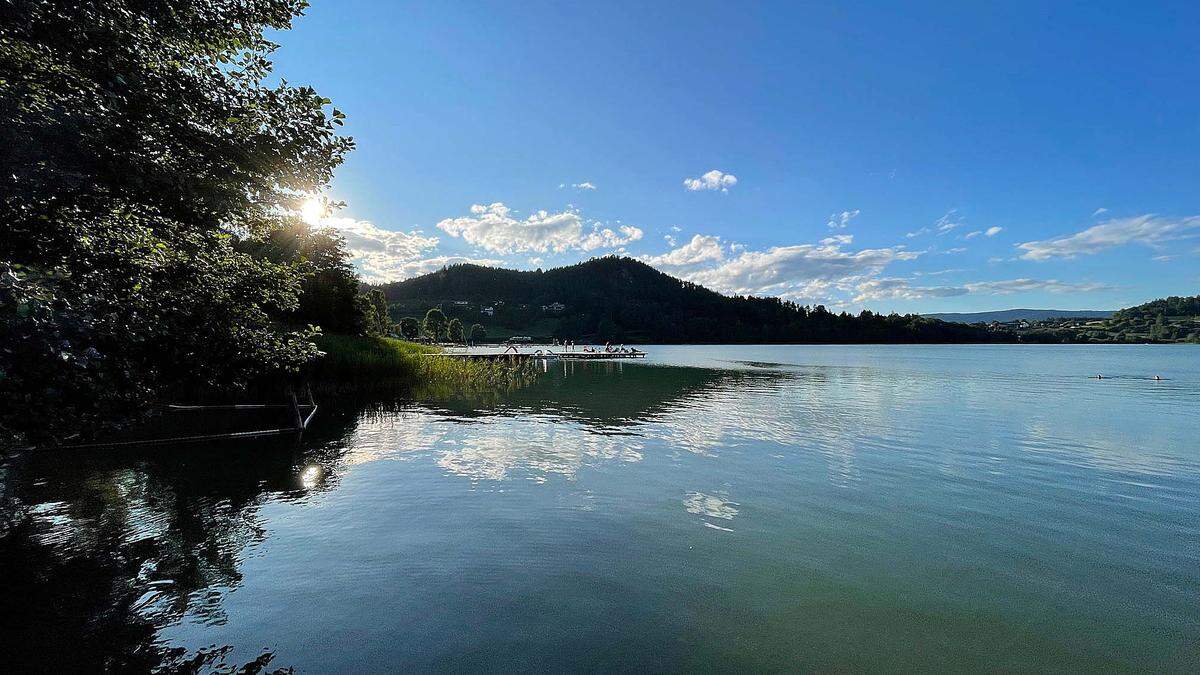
column 1167, row 307
column 151, row 171
column 624, row 300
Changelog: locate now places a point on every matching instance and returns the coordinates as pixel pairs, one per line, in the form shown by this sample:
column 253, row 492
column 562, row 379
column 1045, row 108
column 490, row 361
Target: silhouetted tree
column 478, row 334
column 434, row 324
column 409, row 327
column 455, row 331
column 146, row 150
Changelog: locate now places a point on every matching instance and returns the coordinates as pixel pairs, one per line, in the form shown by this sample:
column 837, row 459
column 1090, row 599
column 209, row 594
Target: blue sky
column 902, row 156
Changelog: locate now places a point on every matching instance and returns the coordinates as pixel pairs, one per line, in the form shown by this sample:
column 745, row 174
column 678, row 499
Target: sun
column 313, row 210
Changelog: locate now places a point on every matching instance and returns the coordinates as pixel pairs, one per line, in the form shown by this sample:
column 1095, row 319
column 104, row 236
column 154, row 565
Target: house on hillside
column 488, row 311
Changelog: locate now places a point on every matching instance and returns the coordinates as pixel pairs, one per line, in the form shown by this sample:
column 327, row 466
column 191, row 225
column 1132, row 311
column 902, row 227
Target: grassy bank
column 352, row 362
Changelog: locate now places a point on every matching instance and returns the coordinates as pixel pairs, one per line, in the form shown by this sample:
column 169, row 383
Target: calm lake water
column 714, row 508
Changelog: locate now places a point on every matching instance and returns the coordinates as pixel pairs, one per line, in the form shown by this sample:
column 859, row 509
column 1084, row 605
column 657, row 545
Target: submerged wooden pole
column 297, row 418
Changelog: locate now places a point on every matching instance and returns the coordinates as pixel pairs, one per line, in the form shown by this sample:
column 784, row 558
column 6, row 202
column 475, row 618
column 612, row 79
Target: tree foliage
column 375, row 309
column 477, row 333
column 145, row 164
column 434, row 324
column 455, row 331
column 410, row 328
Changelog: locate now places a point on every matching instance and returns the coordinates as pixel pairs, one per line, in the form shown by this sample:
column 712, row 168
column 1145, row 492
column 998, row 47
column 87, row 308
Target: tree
column 143, row 159
column 1158, row 329
column 455, row 331
column 376, row 311
column 434, row 324
column 329, row 289
column 409, row 327
column 478, row 334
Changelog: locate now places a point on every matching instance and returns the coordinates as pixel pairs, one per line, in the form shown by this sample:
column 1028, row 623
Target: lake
column 739, row 508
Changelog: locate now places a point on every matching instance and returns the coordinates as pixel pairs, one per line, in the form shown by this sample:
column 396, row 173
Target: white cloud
column 892, row 287
column 951, row 251
column 903, row 289
column 398, row 270
column 1099, row 211
column 917, row 233
column 990, row 232
column 1010, row 286
column 805, row 271
column 948, row 222
column 493, row 228
column 1149, row 230
column 671, row 241
column 607, row 238
column 701, row 249
column 713, row 180
column 676, row 228
column 585, row 185
column 379, row 255
column 841, row 220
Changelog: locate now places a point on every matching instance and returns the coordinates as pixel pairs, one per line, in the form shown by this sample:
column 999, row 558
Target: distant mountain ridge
column 1018, row 314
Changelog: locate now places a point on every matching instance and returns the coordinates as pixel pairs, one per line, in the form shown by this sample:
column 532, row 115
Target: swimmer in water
column 1158, row 377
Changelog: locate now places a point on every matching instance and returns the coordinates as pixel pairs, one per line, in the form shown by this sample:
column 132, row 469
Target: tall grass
column 365, row 363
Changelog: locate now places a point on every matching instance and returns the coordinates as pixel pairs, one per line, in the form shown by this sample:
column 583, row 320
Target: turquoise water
column 715, row 508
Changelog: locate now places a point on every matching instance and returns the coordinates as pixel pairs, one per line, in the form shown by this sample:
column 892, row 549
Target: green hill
column 1173, row 319
column 624, row 300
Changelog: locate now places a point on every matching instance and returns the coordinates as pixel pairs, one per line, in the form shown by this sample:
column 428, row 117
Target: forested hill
column 1174, row 306
column 624, row 300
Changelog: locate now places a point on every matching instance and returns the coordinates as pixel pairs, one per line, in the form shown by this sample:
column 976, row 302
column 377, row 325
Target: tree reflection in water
column 100, row 551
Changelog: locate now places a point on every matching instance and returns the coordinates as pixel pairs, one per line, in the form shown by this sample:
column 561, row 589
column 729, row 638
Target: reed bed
column 365, row 363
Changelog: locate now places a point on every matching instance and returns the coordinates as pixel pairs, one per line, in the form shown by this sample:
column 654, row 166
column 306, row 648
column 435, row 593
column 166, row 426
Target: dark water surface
column 715, row 508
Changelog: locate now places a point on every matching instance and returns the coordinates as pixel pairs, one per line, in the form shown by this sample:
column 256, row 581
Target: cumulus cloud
column 713, row 180
column 1149, row 230
column 607, row 238
column 841, row 220
column 701, row 249
column 494, row 228
column 380, row 255
column 398, row 270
